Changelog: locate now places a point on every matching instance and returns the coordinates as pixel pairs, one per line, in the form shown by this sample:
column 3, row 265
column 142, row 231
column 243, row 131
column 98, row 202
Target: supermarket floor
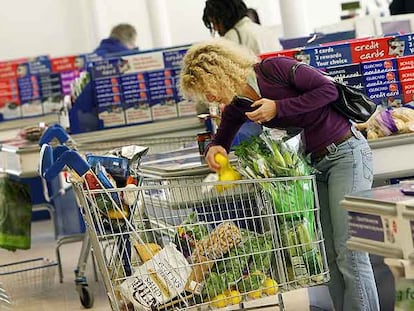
column 63, row 297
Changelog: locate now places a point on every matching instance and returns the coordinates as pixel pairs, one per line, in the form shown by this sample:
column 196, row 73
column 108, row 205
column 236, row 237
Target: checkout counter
column 21, row 158
column 17, row 157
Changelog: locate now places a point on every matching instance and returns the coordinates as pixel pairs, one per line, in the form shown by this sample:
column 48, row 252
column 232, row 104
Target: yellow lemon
column 270, row 287
column 221, row 159
column 255, row 294
column 227, row 292
column 220, row 301
column 234, row 297
column 117, row 214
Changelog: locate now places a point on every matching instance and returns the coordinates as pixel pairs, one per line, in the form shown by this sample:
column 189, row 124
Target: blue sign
column 326, row 56
column 402, row 45
column 107, row 68
column 366, row 226
column 173, row 58
column 379, row 66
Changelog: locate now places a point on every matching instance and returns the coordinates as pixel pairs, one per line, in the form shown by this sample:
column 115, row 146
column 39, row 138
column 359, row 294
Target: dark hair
column 252, row 14
column 226, row 13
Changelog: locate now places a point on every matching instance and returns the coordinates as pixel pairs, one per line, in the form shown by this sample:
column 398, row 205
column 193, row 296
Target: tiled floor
column 63, row 297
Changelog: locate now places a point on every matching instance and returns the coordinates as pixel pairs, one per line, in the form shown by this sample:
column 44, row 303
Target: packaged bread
column 200, row 271
column 147, row 251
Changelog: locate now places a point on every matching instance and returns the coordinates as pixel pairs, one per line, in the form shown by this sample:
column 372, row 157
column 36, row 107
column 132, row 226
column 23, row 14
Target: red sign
column 405, row 63
column 375, row 49
column 68, row 63
column 406, row 75
column 407, row 88
column 287, row 53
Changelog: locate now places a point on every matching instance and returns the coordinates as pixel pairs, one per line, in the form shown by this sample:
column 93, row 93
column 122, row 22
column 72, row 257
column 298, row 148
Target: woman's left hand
column 265, row 112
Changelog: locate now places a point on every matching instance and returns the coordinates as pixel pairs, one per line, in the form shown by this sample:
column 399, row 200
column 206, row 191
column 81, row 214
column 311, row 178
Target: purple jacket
column 302, row 103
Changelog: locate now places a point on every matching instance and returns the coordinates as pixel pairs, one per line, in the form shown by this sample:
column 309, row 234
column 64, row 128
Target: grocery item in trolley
column 223, row 238
column 158, row 280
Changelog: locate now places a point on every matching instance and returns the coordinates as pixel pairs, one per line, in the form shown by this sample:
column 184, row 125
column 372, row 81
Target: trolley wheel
column 86, row 297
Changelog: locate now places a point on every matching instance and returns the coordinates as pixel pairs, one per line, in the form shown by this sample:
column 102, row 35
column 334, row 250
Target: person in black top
column 401, row 7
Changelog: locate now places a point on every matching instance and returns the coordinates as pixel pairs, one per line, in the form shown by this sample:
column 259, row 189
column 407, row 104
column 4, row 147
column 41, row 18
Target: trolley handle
column 69, row 158
column 54, row 131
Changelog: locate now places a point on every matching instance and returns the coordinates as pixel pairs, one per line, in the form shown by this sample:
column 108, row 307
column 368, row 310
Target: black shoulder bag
column 351, row 102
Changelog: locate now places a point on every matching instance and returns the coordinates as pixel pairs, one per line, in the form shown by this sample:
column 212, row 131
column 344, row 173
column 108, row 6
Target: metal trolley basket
column 238, row 244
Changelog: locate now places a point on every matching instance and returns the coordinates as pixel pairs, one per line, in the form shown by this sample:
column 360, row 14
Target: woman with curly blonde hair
column 279, row 92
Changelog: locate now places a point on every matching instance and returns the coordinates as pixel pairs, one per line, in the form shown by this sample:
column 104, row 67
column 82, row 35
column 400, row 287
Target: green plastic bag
column 15, row 215
column 294, row 201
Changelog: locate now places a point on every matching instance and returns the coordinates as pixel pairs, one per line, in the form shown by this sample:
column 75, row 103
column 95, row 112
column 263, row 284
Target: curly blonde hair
column 218, row 67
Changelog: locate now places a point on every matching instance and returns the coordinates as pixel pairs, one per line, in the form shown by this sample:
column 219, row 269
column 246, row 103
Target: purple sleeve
column 232, row 119
column 315, row 89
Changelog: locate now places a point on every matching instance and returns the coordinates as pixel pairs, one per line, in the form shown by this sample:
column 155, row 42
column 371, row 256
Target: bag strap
column 238, row 35
column 273, row 78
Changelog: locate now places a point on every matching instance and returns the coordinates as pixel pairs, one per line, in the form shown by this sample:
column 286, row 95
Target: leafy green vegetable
column 252, row 282
column 215, row 284
column 234, row 264
column 263, row 157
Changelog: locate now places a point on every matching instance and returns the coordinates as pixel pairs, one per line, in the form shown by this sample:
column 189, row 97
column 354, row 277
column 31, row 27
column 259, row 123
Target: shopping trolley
column 234, row 248
column 69, row 225
column 65, row 203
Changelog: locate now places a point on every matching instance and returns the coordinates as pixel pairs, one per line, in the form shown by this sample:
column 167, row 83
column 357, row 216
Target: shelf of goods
column 20, row 158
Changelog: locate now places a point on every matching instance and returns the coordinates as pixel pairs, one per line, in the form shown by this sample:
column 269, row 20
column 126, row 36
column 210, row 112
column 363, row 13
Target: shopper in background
column 219, row 70
column 252, row 14
column 122, row 38
column 229, row 18
column 401, row 7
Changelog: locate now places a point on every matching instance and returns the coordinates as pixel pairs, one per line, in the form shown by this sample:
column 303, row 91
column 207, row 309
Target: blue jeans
column 346, row 169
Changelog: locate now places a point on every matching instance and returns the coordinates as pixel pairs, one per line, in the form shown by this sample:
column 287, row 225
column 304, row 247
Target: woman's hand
column 267, row 111
column 214, row 166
